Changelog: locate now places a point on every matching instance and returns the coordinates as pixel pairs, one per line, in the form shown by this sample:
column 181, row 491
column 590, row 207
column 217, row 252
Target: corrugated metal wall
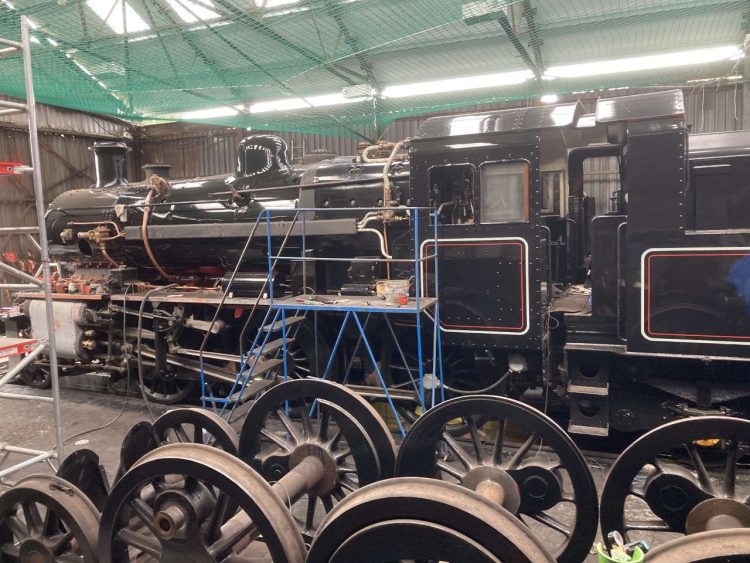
column 64, row 139
column 202, row 150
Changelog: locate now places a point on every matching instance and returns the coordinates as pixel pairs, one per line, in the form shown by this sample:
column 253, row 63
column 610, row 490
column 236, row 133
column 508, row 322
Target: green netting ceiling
column 166, row 59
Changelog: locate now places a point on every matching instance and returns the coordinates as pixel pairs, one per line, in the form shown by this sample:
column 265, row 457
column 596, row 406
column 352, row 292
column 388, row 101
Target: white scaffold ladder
column 10, row 346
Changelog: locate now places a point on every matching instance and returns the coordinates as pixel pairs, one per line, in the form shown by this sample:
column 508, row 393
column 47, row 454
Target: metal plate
column 82, row 469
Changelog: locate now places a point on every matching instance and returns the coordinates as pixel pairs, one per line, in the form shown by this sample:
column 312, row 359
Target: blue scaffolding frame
column 352, row 307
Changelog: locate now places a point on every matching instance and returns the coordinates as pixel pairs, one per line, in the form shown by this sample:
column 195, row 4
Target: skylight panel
column 110, row 12
column 191, row 11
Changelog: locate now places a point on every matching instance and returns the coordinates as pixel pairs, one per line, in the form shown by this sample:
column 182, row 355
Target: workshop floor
column 86, row 406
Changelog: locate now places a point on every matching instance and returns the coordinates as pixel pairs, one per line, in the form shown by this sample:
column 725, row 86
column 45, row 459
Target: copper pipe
column 144, row 235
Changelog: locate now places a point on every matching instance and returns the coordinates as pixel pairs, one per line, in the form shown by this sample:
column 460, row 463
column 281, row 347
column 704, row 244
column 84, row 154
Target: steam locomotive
column 623, row 319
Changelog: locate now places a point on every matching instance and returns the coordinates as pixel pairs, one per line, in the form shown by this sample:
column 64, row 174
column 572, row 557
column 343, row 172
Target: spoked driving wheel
column 172, row 507
column 314, row 418
column 198, row 426
column 417, row 519
column 46, row 519
column 680, row 478
column 519, row 458
column 168, row 388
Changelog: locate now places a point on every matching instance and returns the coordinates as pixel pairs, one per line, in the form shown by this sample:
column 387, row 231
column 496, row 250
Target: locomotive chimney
column 162, row 170
column 111, row 159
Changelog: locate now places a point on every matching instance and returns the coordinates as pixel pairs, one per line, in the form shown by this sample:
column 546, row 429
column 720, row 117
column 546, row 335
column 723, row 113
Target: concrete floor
column 85, row 406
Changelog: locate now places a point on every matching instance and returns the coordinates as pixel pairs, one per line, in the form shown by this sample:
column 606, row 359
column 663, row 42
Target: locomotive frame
column 540, row 298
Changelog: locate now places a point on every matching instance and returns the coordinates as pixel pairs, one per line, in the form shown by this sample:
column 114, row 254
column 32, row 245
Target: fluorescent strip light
column 647, row 62
column 223, row 111
column 458, row 84
column 268, row 4
column 110, row 12
column 286, row 104
column 191, row 11
column 52, row 42
column 549, row 98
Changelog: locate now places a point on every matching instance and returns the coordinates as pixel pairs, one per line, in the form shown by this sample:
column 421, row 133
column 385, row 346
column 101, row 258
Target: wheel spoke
column 475, row 440
column 142, row 542
column 221, row 547
column 730, row 470
column 497, row 448
column 289, row 425
column 33, row 518
column 457, row 450
column 325, row 420
column 276, row 439
column 197, row 434
column 181, row 434
column 333, row 443
column 521, row 452
column 218, row 515
column 306, row 422
column 342, row 455
column 144, row 513
column 450, row 469
column 312, row 503
column 648, row 525
column 11, row 550
column 703, row 477
column 551, row 522
column 58, row 542
column 19, row 530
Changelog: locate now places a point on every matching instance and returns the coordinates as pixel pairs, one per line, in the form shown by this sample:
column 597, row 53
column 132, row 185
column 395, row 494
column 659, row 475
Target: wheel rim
column 198, row 426
column 727, row 546
column 46, row 517
column 202, row 480
column 168, row 390
column 302, row 417
column 539, row 488
column 666, row 491
column 417, row 518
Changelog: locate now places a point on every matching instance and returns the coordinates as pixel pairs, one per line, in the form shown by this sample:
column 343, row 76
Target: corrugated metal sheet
column 710, row 109
column 69, row 122
column 198, row 150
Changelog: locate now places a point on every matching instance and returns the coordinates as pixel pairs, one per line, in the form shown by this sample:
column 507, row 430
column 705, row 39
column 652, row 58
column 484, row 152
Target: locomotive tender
column 627, row 318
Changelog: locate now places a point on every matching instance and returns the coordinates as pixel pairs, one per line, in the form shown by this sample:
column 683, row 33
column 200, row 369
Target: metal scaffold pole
column 30, row 348
column 43, row 243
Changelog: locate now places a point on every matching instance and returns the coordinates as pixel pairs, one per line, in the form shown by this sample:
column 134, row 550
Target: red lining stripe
column 648, row 294
column 522, row 326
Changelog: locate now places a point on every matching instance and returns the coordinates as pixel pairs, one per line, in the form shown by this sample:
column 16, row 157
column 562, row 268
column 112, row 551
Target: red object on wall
column 9, row 168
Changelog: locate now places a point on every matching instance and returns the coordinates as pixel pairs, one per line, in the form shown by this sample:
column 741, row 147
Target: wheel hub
column 310, row 449
column 539, row 487
column 718, row 513
column 672, row 496
column 479, row 478
column 34, row 551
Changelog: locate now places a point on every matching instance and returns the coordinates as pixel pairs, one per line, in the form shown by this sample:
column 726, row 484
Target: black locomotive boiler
column 625, row 318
